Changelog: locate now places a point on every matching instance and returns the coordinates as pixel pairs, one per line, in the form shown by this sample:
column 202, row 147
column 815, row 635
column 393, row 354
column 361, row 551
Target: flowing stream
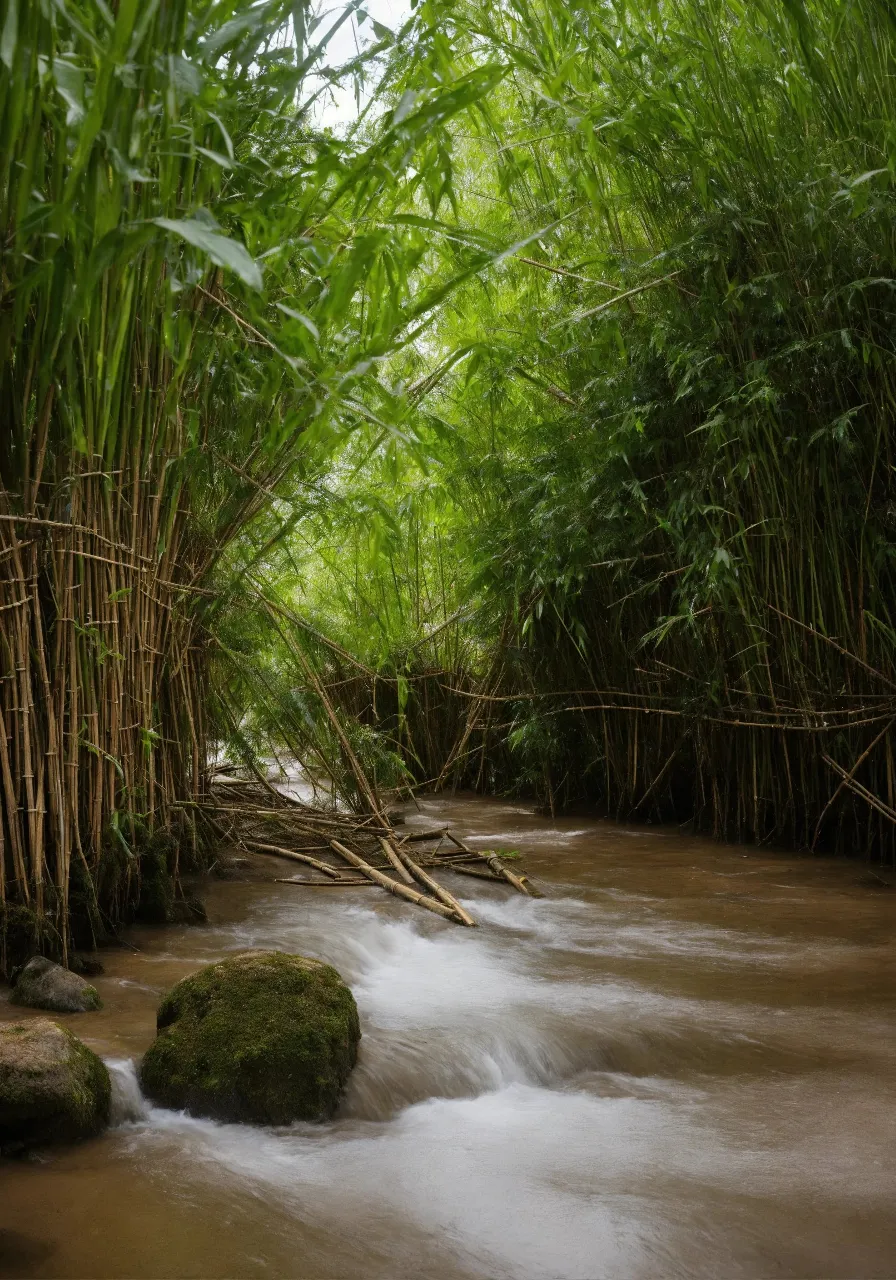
column 680, row 1062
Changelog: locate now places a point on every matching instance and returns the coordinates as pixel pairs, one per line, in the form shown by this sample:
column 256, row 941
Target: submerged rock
column 52, row 1087
column 85, row 964
column 188, row 910
column 230, row 868
column 263, row 1038
column 45, row 985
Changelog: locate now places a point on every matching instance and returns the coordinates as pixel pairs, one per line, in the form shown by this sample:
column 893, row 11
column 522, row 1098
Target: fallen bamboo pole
column 278, row 852
column 450, row 859
column 498, row 867
column 435, row 888
column 394, row 886
column 330, row 884
column 477, row 875
column 393, row 857
column 294, row 812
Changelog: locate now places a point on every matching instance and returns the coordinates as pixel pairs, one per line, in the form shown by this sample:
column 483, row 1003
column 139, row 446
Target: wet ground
column 680, row 1062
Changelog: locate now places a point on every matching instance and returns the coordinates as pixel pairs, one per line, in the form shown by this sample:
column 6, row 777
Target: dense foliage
column 532, row 430
column 656, row 451
column 196, row 283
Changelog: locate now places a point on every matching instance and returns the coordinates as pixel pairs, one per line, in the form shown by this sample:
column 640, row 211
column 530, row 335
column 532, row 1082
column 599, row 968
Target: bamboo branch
column 848, row 779
column 861, row 791
column 630, row 293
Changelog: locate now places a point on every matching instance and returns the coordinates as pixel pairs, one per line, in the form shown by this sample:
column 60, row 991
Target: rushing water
column 678, row 1063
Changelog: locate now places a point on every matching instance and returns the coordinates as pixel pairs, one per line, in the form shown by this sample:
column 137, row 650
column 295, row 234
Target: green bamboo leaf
column 302, row 319
column 9, row 35
column 866, row 177
column 405, row 106
column 223, row 251
column 228, row 143
column 123, row 167
column 187, row 78
column 223, row 161
column 70, row 85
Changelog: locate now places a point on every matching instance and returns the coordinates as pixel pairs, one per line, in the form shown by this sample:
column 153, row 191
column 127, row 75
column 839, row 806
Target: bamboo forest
column 447, row 639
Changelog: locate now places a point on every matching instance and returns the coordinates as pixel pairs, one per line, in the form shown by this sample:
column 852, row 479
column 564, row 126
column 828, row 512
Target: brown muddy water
column 681, row 1062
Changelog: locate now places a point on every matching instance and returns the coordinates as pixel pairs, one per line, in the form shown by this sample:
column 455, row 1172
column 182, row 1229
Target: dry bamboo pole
column 477, row 875
column 450, row 859
column 394, row 886
column 498, row 867
column 293, row 812
column 437, row 890
column 331, row 884
column 279, row 852
column 396, row 861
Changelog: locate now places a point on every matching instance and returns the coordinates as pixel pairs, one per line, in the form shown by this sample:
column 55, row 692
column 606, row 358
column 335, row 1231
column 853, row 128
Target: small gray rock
column 45, row 985
column 52, row 1087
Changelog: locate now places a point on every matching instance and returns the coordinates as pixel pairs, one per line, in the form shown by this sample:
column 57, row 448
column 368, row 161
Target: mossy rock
column 52, row 1087
column 45, row 985
column 262, row 1038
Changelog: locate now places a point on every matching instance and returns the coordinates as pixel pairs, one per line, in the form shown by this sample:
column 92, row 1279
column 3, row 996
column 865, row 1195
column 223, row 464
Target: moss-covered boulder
column 52, row 1087
column 45, row 985
column 262, row 1038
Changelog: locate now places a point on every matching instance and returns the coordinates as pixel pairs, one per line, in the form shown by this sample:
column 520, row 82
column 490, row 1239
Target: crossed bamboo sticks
column 369, row 845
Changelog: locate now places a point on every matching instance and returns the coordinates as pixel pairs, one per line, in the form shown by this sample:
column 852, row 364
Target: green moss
column 90, row 1096
column 264, row 1038
column 43, row 984
column 92, row 998
column 52, row 1087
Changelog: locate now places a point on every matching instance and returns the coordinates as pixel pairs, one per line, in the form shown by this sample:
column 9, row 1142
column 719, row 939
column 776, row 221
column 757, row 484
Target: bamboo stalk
column 847, row 780
column 278, row 852
column 330, row 884
column 477, row 875
column 394, row 886
column 396, row 862
column 866, row 795
column 498, row 867
column 437, row 890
